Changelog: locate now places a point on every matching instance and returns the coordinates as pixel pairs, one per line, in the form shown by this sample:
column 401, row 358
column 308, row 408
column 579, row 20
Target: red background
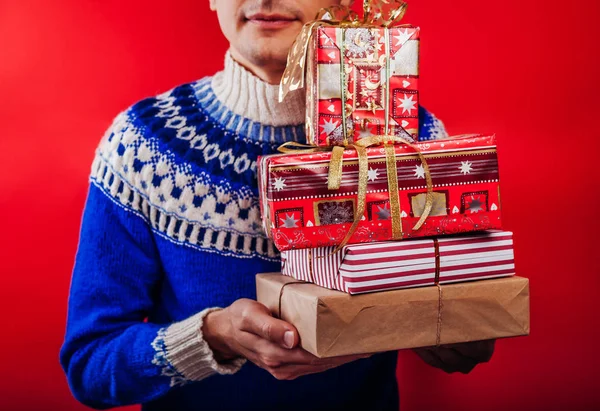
column 524, row 69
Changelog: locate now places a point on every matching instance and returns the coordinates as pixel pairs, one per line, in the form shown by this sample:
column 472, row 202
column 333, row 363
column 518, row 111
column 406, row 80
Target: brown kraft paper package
column 333, row 323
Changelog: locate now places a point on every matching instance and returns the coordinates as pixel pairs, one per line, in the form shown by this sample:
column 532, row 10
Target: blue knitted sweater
column 171, row 227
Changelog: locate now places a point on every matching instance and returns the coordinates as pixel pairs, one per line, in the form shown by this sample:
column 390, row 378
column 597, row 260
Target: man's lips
column 271, row 21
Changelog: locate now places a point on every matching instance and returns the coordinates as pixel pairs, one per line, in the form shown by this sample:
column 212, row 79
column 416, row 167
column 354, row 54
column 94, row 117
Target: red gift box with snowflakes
column 362, row 80
column 384, row 266
column 299, row 211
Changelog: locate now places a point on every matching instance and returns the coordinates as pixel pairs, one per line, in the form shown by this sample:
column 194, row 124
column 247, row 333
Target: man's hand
column 457, row 357
column 247, row 329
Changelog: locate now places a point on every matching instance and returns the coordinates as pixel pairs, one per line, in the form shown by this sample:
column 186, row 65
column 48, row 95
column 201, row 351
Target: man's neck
column 247, row 95
column 268, row 73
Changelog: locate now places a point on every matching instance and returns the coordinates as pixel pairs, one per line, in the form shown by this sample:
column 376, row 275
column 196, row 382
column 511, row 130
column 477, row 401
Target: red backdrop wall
column 525, row 69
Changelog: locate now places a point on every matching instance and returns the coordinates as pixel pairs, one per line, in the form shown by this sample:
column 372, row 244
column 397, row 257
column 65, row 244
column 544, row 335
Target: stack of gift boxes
column 387, row 242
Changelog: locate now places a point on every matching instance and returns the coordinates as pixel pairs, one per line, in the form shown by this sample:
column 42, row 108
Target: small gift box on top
column 361, row 75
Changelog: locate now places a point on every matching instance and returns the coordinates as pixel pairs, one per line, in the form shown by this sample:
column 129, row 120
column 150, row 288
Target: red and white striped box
column 371, row 267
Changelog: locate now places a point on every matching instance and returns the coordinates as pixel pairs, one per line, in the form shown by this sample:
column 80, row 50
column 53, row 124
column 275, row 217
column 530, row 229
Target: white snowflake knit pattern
column 131, row 168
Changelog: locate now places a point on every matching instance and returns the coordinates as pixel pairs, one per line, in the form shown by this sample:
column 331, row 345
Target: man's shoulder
column 166, row 159
column 181, row 100
column 165, row 115
column 140, row 149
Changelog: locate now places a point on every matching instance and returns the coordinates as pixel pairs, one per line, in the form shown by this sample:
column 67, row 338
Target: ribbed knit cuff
column 190, row 354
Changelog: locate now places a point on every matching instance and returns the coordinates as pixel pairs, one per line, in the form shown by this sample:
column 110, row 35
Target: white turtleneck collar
column 250, row 97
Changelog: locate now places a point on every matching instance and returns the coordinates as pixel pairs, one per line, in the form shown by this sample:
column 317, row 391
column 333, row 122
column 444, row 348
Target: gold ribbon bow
column 376, row 13
column 335, row 177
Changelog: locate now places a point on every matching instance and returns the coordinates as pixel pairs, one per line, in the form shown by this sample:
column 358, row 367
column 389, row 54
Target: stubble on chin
column 266, row 55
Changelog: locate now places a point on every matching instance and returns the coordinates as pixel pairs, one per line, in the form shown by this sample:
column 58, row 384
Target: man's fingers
column 445, row 359
column 272, row 354
column 430, row 358
column 455, row 360
column 293, row 371
column 480, row 351
column 344, row 359
column 309, row 359
column 257, row 319
column 271, row 343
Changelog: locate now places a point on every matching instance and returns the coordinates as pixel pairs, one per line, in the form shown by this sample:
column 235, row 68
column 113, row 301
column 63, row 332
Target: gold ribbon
column 334, row 178
column 376, row 13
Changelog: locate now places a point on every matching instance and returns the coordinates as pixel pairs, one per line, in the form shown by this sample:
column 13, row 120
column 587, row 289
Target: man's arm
column 110, row 355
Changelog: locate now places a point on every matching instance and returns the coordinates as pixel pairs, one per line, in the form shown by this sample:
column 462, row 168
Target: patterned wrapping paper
column 299, row 211
column 363, row 268
column 354, row 66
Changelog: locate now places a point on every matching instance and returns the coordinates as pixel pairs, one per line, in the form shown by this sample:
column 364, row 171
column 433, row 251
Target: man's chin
column 272, row 52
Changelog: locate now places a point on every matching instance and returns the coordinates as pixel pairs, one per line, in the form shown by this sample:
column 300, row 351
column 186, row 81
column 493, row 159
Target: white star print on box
column 289, row 221
column 402, row 37
column 367, row 132
column 383, row 212
column 419, row 171
column 408, row 104
column 279, row 184
column 475, row 206
column 373, row 174
column 329, row 126
column 466, row 167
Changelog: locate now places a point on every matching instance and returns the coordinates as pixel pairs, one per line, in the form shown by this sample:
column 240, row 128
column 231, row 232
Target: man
column 171, row 231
